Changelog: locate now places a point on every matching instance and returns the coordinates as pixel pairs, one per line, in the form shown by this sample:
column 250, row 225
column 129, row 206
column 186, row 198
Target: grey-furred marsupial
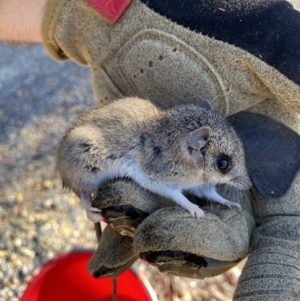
column 184, row 148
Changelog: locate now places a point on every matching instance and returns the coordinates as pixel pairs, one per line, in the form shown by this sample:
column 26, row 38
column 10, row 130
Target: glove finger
column 185, row 264
column 113, row 255
column 116, row 200
column 126, row 192
column 124, row 205
column 170, row 239
column 119, row 202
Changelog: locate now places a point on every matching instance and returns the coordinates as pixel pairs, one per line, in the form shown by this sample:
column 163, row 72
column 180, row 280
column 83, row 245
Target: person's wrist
column 21, row 20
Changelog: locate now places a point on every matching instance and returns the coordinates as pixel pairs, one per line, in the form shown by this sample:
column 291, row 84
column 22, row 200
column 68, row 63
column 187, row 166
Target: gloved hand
column 242, row 55
column 166, row 235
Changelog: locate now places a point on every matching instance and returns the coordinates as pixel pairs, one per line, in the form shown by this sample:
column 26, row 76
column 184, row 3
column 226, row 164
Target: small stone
column 19, row 197
column 66, row 231
column 48, row 203
column 47, row 184
column 27, row 252
column 17, row 265
column 18, row 242
column 31, row 219
column 25, row 270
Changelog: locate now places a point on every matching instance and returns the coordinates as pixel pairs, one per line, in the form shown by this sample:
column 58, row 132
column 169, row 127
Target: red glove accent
column 111, row 9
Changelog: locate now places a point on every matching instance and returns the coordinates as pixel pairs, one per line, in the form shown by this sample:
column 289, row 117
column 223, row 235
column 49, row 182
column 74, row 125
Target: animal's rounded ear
column 199, row 138
column 207, row 105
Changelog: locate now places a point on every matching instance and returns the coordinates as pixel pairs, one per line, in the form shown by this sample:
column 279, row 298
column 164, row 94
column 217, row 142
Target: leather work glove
column 244, row 57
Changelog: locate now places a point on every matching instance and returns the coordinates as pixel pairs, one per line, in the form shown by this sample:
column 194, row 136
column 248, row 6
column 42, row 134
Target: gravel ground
column 38, row 100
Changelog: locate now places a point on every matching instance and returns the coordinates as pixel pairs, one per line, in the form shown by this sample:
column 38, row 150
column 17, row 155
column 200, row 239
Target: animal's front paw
column 195, row 210
column 93, row 214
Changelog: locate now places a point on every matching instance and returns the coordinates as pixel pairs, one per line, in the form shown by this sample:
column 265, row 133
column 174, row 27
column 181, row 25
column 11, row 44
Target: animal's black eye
column 223, row 164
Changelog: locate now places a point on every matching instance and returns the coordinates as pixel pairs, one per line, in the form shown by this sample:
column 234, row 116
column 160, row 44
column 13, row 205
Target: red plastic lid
column 67, row 278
